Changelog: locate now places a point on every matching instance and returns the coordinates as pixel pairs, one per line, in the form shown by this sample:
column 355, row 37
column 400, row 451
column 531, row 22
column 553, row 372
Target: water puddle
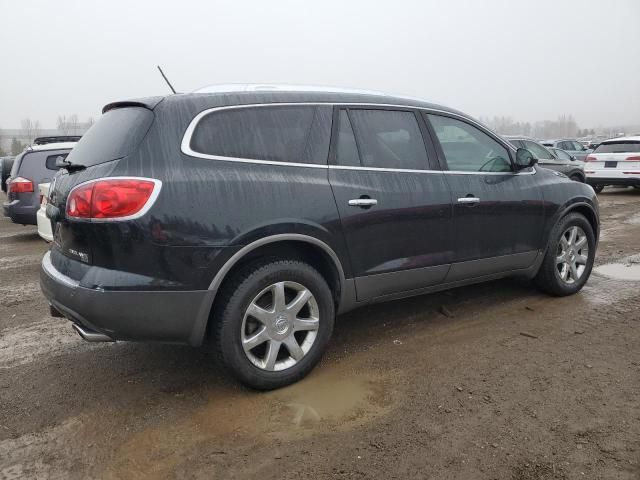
column 620, row 271
column 323, row 402
column 327, row 397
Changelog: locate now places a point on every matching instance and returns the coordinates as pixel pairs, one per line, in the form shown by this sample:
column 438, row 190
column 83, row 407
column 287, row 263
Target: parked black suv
column 249, row 219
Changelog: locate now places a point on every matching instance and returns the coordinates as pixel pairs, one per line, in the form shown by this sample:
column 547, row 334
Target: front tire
column 598, row 188
column 273, row 323
column 569, row 258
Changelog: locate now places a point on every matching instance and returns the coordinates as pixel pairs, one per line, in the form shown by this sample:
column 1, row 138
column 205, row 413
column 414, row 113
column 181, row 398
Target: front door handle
column 363, row 202
column 469, row 200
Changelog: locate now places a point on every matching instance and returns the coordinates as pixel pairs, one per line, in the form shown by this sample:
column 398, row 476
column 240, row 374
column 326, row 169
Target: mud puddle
column 324, row 402
column 620, row 271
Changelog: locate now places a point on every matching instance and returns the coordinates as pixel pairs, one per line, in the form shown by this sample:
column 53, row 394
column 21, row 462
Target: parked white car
column 44, row 224
column 614, row 162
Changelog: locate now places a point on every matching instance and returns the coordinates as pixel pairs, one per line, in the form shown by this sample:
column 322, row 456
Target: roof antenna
column 166, row 79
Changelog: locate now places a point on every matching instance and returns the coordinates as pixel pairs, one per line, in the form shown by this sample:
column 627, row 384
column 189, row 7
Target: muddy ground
column 404, row 391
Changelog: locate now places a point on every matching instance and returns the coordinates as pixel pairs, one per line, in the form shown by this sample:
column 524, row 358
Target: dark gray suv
column 246, row 220
column 553, row 159
column 36, row 165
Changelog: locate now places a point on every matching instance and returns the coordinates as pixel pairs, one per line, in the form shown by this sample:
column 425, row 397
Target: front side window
column 389, row 139
column 468, row 149
column 277, row 133
column 537, row 150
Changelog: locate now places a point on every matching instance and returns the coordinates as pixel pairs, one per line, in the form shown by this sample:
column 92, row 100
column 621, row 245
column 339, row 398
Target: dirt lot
column 405, row 390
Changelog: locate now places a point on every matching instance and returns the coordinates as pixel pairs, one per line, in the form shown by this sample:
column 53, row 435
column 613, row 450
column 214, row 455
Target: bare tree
column 74, row 126
column 61, row 124
column 27, row 129
column 90, row 122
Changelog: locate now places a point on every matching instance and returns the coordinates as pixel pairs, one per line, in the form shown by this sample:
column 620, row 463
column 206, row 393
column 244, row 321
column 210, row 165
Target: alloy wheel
column 572, row 254
column 280, row 326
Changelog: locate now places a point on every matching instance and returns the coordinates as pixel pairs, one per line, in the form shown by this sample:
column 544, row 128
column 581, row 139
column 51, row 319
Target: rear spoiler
column 149, row 103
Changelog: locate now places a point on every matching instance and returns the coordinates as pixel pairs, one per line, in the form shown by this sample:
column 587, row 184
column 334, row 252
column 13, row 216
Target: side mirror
column 573, row 157
column 61, row 162
column 525, row 159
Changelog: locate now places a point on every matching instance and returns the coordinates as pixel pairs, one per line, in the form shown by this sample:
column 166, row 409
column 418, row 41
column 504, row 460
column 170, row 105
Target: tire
column 576, row 178
column 598, row 188
column 637, row 187
column 256, row 286
column 549, row 278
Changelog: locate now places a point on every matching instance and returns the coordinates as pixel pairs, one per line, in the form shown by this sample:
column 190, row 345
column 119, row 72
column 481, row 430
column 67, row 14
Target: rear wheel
column 274, row 322
column 598, row 188
column 569, row 258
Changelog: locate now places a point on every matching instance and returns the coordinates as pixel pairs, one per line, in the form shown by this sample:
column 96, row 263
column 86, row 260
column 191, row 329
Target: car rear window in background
column 618, row 147
column 389, row 139
column 115, row 135
column 297, row 134
column 51, row 160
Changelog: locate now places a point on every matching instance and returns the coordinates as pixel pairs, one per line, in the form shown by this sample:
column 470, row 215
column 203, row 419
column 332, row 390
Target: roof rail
column 62, row 138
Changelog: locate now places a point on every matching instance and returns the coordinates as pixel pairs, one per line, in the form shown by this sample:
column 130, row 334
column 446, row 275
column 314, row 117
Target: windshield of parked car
column 626, row 146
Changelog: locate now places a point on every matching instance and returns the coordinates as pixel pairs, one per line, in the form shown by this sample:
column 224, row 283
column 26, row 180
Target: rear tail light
column 20, row 185
column 635, row 158
column 113, row 198
column 590, row 158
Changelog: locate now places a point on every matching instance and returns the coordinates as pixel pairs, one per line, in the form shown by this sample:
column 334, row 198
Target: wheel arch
column 292, row 245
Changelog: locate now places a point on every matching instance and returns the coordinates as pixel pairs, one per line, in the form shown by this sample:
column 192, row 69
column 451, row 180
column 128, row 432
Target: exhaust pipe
column 90, row 335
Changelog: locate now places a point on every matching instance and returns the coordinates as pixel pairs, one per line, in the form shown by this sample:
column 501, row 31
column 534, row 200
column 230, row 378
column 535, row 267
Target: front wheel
column 576, row 178
column 273, row 323
column 569, row 258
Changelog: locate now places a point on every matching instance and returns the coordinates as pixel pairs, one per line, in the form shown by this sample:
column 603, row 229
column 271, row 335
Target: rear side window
column 294, row 134
column 51, row 161
column 389, row 139
column 346, row 147
column 619, row 147
column 115, row 135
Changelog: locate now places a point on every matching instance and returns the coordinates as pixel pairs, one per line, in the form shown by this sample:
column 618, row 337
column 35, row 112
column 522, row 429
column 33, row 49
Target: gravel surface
column 489, row 381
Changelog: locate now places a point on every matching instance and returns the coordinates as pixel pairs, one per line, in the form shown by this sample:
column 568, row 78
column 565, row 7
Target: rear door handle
column 363, row 202
column 470, row 200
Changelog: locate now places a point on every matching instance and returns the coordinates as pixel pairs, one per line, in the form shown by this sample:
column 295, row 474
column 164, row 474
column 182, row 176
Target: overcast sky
column 530, row 60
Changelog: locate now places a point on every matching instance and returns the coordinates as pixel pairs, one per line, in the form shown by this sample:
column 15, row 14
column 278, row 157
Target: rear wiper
column 62, row 162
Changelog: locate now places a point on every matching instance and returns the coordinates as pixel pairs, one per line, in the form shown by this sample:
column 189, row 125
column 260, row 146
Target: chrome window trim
column 185, row 145
column 152, row 199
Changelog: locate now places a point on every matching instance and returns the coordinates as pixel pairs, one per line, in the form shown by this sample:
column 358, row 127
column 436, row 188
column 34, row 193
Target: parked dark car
column 552, row 158
column 5, row 170
column 36, row 165
column 247, row 220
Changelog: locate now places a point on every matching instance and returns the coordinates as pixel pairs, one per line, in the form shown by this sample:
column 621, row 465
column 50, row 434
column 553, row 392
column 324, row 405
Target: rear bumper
column 627, row 180
column 25, row 215
column 163, row 316
column 44, row 225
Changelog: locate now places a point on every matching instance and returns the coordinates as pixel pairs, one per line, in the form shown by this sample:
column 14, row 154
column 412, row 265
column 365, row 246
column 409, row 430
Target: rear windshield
column 37, row 165
column 117, row 134
column 618, row 147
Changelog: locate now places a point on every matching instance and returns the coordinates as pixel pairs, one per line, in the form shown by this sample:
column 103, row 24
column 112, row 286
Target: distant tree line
column 564, row 127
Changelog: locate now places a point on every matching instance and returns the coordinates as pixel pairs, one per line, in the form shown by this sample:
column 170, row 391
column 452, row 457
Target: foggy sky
column 531, row 60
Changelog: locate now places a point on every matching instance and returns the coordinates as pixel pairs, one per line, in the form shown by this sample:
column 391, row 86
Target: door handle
column 469, row 200
column 363, row 202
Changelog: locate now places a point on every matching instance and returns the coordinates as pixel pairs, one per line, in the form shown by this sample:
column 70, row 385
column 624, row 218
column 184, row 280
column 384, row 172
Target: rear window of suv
column 115, row 135
column 297, row 134
column 618, row 147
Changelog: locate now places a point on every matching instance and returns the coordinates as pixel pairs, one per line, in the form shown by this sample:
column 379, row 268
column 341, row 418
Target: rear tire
column 258, row 315
column 598, row 188
column 568, row 261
